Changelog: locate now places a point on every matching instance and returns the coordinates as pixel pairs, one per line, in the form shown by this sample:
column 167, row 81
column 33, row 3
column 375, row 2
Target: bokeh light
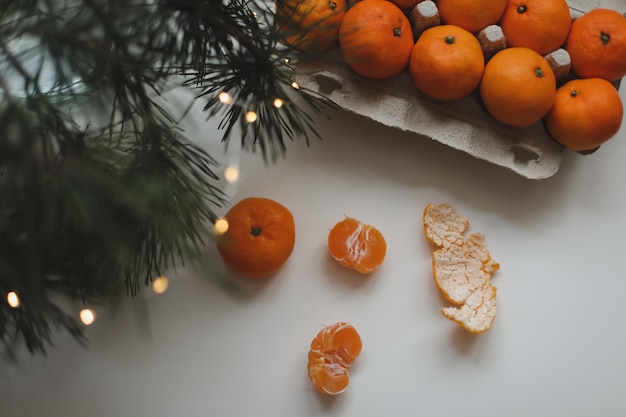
column 13, row 299
column 251, row 117
column 160, row 285
column 231, row 173
column 221, row 226
column 225, row 98
column 87, row 316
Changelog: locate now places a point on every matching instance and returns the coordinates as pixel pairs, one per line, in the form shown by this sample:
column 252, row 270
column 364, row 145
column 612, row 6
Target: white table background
column 557, row 347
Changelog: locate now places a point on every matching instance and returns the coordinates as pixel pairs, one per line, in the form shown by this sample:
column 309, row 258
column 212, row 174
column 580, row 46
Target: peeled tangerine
column 462, row 268
column 356, row 245
column 332, row 352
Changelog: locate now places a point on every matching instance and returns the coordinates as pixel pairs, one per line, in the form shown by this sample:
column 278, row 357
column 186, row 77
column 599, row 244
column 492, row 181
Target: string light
column 295, row 85
column 160, row 285
column 287, row 61
column 87, row 316
column 221, row 226
column 278, row 103
column 251, row 117
column 225, row 98
column 231, row 173
column 13, row 299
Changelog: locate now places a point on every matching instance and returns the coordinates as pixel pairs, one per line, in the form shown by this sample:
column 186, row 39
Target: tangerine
column 541, row 25
column 447, row 63
column 376, row 39
column 518, row 86
column 597, row 45
column 310, row 25
column 260, row 237
column 356, row 245
column 471, row 15
column 332, row 352
column 586, row 113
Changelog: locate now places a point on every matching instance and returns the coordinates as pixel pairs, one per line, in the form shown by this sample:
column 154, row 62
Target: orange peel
column 462, row 268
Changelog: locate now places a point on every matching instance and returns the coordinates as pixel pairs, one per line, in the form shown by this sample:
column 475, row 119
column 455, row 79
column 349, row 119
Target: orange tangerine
column 376, row 39
column 260, row 238
column 541, row 25
column 597, row 45
column 310, row 25
column 518, row 86
column 447, row 63
column 471, row 15
column 586, row 113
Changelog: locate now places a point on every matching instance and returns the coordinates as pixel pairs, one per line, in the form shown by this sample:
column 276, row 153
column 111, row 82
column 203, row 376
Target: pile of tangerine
column 446, row 62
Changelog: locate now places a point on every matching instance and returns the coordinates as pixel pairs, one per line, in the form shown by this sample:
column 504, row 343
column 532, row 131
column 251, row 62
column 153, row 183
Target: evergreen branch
column 101, row 191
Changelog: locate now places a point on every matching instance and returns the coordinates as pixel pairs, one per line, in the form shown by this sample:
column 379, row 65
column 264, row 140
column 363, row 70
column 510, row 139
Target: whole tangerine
column 518, row 86
column 260, row 237
column 597, row 45
column 541, row 25
column 586, row 113
column 310, row 25
column 376, row 39
column 447, row 63
column 471, row 15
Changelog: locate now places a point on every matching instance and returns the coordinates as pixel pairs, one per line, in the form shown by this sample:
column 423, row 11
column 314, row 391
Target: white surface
column 556, row 348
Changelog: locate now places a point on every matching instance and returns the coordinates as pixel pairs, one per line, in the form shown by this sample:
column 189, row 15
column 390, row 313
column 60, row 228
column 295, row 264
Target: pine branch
column 101, row 191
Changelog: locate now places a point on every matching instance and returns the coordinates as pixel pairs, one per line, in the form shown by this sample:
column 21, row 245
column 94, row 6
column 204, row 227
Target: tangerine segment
column 341, row 339
column 327, row 377
column 332, row 352
column 356, row 245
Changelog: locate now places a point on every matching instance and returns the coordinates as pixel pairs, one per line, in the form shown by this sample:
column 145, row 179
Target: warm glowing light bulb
column 295, row 85
column 159, row 285
column 278, row 103
column 287, row 61
column 225, row 98
column 251, row 117
column 231, row 173
column 221, row 226
column 13, row 299
column 87, row 316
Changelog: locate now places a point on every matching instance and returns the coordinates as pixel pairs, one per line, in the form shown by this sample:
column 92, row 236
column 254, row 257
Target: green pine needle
column 101, row 191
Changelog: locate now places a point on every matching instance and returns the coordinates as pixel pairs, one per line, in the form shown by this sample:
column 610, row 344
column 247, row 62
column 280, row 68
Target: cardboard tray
column 462, row 124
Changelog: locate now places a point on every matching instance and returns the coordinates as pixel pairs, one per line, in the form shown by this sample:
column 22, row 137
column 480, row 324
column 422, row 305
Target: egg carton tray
column 462, row 124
